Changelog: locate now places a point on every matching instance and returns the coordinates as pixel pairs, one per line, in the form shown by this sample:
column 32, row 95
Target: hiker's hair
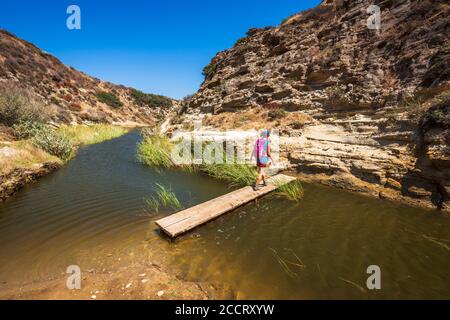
column 265, row 133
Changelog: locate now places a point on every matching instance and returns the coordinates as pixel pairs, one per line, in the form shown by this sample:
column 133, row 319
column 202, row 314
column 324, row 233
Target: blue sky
column 158, row 46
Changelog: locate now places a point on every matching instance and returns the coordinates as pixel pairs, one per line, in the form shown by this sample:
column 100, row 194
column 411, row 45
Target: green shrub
column 18, row 105
column 53, row 143
column 150, row 100
column 277, row 114
column 297, row 125
column 209, row 71
column 28, row 129
column 109, row 98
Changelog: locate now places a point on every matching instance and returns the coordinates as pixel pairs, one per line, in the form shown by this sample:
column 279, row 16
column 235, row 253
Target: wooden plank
column 188, row 219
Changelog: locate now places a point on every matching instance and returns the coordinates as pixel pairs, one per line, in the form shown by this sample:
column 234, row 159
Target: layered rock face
column 73, row 95
column 378, row 99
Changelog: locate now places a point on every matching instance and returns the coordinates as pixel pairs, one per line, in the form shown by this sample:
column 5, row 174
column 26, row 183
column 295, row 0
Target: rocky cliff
column 74, row 96
column 362, row 109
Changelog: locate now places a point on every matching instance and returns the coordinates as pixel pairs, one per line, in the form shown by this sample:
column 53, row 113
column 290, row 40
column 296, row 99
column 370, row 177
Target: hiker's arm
column 269, row 154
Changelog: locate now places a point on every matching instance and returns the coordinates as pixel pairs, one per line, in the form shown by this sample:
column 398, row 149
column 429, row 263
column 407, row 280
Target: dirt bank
column 18, row 178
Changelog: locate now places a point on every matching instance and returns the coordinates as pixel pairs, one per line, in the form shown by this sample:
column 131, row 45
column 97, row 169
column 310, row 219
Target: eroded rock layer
column 377, row 100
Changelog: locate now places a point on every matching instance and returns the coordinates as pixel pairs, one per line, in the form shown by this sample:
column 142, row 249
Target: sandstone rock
column 359, row 86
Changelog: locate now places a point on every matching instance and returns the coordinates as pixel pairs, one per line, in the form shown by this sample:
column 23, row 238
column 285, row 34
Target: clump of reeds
column 155, row 151
column 237, row 175
column 164, row 198
column 292, row 191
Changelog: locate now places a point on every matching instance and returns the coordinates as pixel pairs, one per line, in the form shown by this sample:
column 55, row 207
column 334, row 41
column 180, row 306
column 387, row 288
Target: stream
column 319, row 248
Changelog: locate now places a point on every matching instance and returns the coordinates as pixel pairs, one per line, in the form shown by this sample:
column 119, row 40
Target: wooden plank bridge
column 183, row 221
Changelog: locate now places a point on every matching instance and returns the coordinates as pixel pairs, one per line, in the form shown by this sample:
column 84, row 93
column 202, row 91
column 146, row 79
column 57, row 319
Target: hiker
column 263, row 158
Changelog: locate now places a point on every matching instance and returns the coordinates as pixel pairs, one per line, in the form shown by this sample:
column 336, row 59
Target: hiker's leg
column 259, row 177
column 263, row 176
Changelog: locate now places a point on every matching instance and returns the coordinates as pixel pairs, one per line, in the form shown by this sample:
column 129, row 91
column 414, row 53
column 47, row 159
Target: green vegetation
column 277, row 114
column 44, row 137
column 150, row 100
column 209, row 71
column 438, row 116
column 237, row 175
column 40, row 142
column 292, row 191
column 335, row 92
column 27, row 129
column 154, row 151
column 54, row 143
column 61, row 142
column 109, row 98
column 86, row 135
column 164, row 198
column 17, row 105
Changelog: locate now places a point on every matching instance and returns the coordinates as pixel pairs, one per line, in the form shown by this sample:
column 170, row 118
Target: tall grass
column 292, row 191
column 164, row 198
column 155, row 151
column 237, row 175
column 85, row 135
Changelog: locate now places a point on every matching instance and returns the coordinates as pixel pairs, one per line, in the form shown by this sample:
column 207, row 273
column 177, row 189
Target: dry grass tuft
column 22, row 154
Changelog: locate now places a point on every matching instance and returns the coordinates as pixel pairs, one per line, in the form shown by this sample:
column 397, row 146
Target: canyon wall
column 373, row 104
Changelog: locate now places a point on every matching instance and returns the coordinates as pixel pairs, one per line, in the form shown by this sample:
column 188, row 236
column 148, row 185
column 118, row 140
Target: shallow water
column 92, row 213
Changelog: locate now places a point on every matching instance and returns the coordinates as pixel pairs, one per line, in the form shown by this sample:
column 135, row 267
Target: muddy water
column 92, row 213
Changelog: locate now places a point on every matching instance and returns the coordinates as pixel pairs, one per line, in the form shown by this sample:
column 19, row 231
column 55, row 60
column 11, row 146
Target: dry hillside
column 74, row 96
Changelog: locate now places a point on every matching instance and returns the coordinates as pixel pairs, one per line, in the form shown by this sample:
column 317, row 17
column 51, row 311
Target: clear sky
column 158, row 46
